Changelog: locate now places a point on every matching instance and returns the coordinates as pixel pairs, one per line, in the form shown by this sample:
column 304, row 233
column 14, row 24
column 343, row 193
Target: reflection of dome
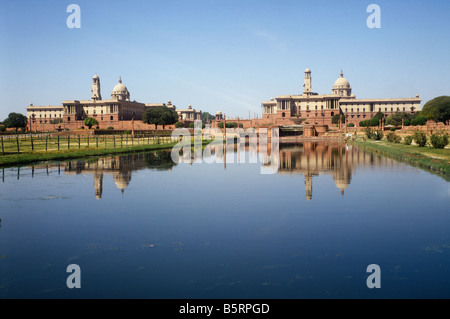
column 122, row 180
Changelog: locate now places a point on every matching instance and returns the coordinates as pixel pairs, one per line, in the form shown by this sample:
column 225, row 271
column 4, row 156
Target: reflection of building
column 119, row 167
column 319, row 109
column 313, row 159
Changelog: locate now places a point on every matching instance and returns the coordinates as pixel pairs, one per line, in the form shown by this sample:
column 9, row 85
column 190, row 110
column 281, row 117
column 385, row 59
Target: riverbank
column 429, row 158
column 32, row 157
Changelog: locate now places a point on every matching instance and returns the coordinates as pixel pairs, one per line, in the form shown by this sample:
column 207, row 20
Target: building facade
column 109, row 113
column 318, row 109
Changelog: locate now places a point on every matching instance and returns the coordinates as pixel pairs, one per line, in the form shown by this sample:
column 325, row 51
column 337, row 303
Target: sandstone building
column 318, row 109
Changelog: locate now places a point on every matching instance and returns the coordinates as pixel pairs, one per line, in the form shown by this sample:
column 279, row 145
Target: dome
column 96, row 77
column 307, row 70
column 341, row 83
column 120, row 92
column 218, row 112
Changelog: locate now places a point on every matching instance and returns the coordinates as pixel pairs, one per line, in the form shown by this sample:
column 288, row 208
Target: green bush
column 420, row 138
column 372, row 122
column 350, row 125
column 393, row 138
column 439, row 140
column 407, row 122
column 192, row 125
column 2, row 128
column 110, row 128
column 378, row 135
column 408, row 139
column 179, row 124
column 232, row 125
column 393, row 129
column 420, row 120
column 127, row 132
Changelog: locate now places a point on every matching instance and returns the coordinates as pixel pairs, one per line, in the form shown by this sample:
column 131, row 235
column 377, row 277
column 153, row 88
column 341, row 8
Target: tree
column 438, row 109
column 15, row 120
column 90, row 122
column 160, row 115
column 337, row 118
column 397, row 118
column 379, row 115
column 206, row 116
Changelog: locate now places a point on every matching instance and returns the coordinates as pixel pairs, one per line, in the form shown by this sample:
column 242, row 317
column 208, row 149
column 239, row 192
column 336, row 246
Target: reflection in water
column 309, row 159
column 338, row 159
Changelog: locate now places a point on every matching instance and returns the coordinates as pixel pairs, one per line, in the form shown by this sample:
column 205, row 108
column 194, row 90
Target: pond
column 141, row 226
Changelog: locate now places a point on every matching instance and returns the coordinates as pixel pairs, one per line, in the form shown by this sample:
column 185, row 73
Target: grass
column 46, row 149
column 431, row 159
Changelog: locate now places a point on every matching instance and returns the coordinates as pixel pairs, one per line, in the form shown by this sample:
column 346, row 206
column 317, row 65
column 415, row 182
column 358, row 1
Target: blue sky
column 228, row 55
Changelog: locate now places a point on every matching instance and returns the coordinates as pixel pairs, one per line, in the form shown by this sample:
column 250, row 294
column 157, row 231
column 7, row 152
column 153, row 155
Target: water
column 140, row 226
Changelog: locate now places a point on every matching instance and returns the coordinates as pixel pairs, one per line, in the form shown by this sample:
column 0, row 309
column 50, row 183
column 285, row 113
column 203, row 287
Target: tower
column 308, row 84
column 96, row 94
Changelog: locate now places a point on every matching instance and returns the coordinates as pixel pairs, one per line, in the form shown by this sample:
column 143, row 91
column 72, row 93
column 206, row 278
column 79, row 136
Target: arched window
column 112, row 118
column 283, row 115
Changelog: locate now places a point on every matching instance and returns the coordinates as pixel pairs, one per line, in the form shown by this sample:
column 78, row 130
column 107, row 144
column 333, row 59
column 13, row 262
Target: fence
column 45, row 143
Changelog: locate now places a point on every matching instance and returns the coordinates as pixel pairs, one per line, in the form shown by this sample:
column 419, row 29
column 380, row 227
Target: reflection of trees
column 160, row 161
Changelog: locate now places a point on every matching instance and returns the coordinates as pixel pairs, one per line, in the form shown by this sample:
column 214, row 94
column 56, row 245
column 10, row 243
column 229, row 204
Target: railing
column 45, row 143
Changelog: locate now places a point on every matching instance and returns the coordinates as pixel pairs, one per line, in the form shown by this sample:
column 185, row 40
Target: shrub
column 439, row 140
column 393, row 129
column 407, row 122
column 420, row 138
column 378, row 135
column 374, row 135
column 110, row 128
column 2, row 128
column 408, row 140
column 179, row 124
column 192, row 125
column 393, row 138
column 420, row 120
column 350, row 125
column 127, row 132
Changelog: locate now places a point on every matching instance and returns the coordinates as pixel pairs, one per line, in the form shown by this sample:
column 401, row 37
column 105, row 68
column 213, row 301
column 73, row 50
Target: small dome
column 218, row 112
column 120, row 92
column 341, row 83
column 307, row 70
column 96, row 77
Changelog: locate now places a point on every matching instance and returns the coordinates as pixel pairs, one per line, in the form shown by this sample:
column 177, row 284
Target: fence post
column 17, row 140
column 79, row 141
column 68, row 142
column 58, row 142
column 96, row 141
column 89, row 136
column 121, row 141
column 114, row 141
column 46, row 143
column 105, row 141
column 31, row 140
column 3, row 147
